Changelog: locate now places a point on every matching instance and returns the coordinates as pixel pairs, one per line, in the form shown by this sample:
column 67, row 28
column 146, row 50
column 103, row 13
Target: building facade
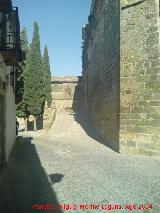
column 121, row 44
column 68, row 93
column 10, row 54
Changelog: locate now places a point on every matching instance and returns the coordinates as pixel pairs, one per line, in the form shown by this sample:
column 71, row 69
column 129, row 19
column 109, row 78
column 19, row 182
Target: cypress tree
column 47, row 77
column 21, row 110
column 34, row 96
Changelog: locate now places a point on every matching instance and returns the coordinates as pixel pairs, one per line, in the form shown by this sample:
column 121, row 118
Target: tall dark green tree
column 21, row 110
column 47, row 77
column 34, row 95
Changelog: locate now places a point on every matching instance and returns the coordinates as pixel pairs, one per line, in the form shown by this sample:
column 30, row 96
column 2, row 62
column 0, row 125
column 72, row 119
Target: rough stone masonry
column 67, row 93
column 121, row 68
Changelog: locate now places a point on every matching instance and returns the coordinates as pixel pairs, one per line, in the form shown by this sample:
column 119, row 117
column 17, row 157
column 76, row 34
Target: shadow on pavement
column 85, row 119
column 24, row 183
column 55, row 178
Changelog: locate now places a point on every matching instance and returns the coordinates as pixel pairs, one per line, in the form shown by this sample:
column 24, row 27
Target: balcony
column 5, row 5
column 10, row 48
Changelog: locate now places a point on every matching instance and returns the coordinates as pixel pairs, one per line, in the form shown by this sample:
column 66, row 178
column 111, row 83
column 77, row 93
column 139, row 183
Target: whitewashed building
column 10, row 54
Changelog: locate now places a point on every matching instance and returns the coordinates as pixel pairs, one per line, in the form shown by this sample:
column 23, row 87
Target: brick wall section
column 101, row 69
column 140, row 78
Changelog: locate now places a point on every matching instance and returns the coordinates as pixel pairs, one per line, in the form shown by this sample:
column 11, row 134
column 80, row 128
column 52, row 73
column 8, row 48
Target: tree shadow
column 84, row 118
column 24, row 183
column 39, row 122
column 55, row 178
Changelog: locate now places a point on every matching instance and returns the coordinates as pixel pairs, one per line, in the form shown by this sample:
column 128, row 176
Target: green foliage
column 47, row 77
column 20, row 105
column 34, row 94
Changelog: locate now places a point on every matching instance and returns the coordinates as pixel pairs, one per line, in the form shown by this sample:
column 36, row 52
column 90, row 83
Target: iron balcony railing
column 9, row 30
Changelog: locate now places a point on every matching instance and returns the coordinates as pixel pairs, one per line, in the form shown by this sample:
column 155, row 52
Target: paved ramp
column 72, row 126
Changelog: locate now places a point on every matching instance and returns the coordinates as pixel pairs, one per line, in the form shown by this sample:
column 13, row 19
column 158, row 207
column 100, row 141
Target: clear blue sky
column 60, row 23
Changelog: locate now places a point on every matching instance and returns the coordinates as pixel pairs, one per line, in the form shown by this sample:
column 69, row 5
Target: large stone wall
column 67, row 93
column 101, row 53
column 140, row 77
column 121, row 71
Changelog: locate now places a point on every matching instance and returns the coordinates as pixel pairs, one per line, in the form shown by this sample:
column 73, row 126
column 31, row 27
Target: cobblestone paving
column 72, row 168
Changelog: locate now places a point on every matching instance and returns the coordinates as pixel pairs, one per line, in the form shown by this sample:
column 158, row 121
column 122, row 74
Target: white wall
column 2, row 69
column 10, row 110
column 10, row 119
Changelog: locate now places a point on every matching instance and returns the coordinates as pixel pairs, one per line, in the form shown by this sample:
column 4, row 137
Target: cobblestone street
column 70, row 167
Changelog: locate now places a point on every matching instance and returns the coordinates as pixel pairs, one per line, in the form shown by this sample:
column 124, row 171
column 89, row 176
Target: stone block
column 142, row 138
column 131, row 143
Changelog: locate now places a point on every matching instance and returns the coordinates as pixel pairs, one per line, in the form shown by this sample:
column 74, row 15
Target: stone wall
column 68, row 93
column 49, row 116
column 140, row 77
column 121, row 71
column 101, row 68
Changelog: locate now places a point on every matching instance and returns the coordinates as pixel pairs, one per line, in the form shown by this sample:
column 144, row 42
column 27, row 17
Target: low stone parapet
column 49, row 116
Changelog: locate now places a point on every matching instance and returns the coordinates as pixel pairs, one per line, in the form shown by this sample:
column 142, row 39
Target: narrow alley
column 69, row 167
column 80, row 106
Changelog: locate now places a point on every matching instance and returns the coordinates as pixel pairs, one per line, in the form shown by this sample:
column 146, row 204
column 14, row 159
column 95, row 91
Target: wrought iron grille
column 9, row 30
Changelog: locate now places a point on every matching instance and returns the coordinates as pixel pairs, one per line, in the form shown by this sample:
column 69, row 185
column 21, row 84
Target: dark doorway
column 2, row 131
